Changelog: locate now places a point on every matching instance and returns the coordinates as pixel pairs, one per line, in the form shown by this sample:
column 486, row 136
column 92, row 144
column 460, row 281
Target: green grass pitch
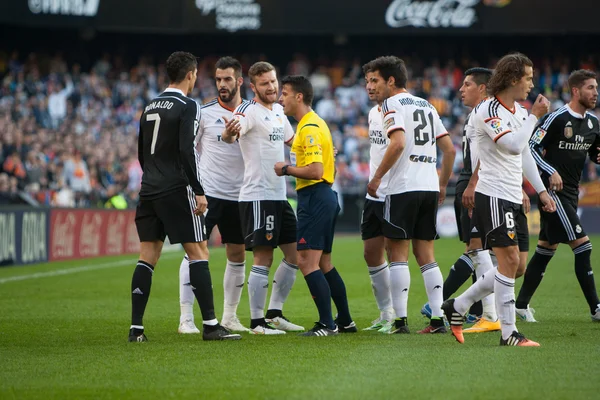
column 65, row 337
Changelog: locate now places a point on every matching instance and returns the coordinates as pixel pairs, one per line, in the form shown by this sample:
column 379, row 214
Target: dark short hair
column 577, row 78
column 258, row 69
column 368, row 67
column 510, row 68
column 300, row 84
column 390, row 66
column 481, row 76
column 179, row 64
column 229, row 62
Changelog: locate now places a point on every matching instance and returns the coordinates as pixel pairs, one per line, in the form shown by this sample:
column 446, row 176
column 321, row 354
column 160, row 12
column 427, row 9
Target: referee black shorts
column 171, row 215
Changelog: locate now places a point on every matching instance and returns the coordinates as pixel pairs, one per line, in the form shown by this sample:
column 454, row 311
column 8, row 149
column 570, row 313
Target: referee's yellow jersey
column 313, row 143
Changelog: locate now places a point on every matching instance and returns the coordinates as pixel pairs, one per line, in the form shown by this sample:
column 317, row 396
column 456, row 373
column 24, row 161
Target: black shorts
column 463, row 220
column 501, row 223
column 411, row 215
column 267, row 223
column 317, row 213
column 562, row 226
column 371, row 223
column 171, row 215
column 226, row 215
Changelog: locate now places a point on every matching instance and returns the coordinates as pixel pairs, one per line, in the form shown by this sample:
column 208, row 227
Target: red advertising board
column 76, row 234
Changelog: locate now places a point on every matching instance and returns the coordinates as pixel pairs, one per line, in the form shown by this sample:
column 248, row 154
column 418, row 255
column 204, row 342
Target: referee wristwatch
column 284, row 169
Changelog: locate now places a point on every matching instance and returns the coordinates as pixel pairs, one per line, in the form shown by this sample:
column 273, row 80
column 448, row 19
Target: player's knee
column 263, row 256
column 236, row 253
column 197, row 251
column 373, row 257
column 423, row 256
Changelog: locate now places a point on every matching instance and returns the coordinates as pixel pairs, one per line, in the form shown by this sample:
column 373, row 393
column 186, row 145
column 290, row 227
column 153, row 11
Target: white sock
column 483, row 263
column 233, row 284
column 399, row 287
column 258, row 286
column 504, row 289
column 186, row 295
column 476, row 292
column 434, row 282
column 380, row 283
column 283, row 280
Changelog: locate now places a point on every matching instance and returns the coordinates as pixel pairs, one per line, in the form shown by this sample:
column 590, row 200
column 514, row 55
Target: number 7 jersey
column 416, row 168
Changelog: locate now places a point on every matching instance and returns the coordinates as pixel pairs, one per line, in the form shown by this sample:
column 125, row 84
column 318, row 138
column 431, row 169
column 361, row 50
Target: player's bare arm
column 449, row 153
column 312, row 171
column 232, row 130
column 526, row 203
column 468, row 198
column 392, row 154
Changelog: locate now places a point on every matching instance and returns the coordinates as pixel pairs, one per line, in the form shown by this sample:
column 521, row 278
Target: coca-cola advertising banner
column 309, row 16
column 78, row 233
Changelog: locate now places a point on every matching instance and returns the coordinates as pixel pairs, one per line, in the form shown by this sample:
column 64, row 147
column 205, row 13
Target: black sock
column 273, row 314
column 321, row 294
column 202, row 287
column 477, row 307
column 533, row 275
column 585, row 274
column 140, row 291
column 257, row 322
column 459, row 274
column 338, row 294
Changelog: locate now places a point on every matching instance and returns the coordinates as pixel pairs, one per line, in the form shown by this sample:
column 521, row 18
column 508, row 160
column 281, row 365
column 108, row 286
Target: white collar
column 173, row 90
column 573, row 113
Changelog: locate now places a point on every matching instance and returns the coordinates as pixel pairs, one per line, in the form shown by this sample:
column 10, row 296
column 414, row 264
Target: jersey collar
column 574, row 114
column 224, row 105
column 173, row 90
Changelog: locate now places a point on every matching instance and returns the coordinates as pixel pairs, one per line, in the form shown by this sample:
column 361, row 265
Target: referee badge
column 569, row 130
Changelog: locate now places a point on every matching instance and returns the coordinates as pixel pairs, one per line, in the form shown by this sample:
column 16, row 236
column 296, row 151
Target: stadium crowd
column 68, row 136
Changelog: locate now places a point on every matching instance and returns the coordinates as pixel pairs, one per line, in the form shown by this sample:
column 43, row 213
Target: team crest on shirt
column 269, row 236
column 590, row 124
column 538, row 136
column 569, row 130
column 578, row 229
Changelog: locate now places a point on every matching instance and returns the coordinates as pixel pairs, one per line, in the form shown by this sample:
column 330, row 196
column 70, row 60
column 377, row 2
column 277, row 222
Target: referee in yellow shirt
column 313, row 166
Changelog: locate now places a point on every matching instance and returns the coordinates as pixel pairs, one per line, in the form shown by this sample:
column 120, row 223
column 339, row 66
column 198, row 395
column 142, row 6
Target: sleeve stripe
column 388, row 113
column 394, row 130
column 540, row 161
column 492, row 118
column 239, row 113
column 290, row 139
column 442, row 135
column 552, row 116
column 243, row 107
column 309, row 125
column 498, row 136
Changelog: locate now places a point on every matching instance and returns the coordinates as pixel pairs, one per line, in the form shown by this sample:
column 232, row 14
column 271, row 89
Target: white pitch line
column 67, row 271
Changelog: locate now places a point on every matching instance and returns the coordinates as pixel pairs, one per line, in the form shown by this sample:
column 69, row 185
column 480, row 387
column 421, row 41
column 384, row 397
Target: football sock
column 140, row 291
column 476, row 292
column 321, row 294
column 201, row 285
column 504, row 289
column 432, row 276
column 186, row 295
column 585, row 274
column 483, row 263
column 533, row 275
column 339, row 297
column 399, row 287
column 258, row 286
column 380, row 283
column 233, row 284
column 477, row 307
column 459, row 274
column 283, row 280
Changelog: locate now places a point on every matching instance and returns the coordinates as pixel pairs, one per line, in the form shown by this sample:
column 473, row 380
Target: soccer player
column 222, row 173
column 560, row 146
column 172, row 200
column 371, row 227
column 313, row 166
column 268, row 219
column 414, row 188
column 503, row 127
column 475, row 261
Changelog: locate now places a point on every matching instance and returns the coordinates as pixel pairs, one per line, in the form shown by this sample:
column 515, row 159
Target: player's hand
column 201, row 205
column 548, row 204
column 540, row 107
column 556, row 183
column 373, row 186
column 442, row 195
column 526, row 203
column 232, row 127
column 598, row 159
column 468, row 197
column 279, row 168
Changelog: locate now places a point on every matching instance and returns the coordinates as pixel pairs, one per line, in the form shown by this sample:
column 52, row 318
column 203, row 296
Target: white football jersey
column 379, row 142
column 500, row 173
column 416, row 169
column 262, row 137
column 472, row 140
column 221, row 164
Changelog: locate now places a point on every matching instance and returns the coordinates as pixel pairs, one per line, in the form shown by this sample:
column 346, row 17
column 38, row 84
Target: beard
column 589, row 104
column 227, row 97
column 264, row 98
